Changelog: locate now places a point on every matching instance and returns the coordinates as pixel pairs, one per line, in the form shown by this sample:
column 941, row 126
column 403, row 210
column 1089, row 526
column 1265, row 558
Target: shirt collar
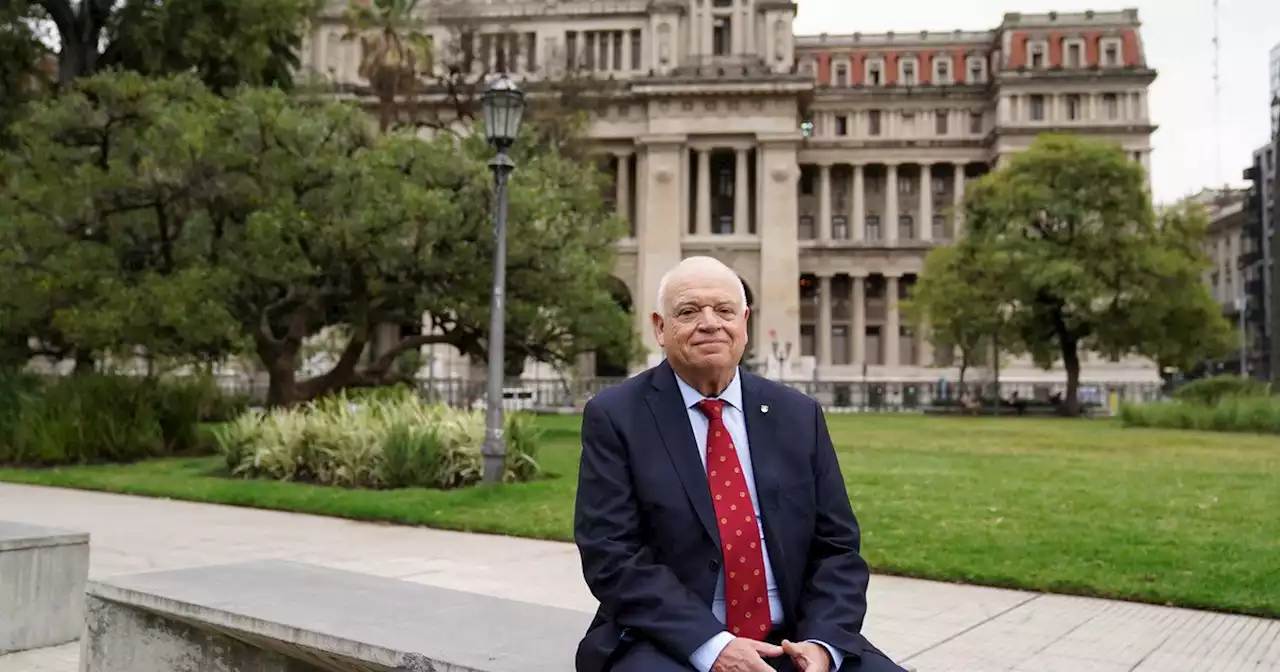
column 732, row 395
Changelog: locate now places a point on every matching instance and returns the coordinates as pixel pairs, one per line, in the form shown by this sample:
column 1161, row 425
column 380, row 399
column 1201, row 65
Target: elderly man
column 712, row 518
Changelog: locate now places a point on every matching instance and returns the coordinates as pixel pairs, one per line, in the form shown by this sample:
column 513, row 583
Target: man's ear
column 658, row 333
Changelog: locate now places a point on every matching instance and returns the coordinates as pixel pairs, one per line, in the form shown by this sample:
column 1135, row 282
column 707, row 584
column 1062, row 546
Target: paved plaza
column 934, row 627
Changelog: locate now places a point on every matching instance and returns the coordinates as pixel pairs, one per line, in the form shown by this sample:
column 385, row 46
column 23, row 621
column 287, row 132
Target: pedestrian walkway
column 934, row 627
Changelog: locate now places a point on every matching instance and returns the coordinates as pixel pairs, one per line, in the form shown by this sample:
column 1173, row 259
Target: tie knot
column 712, row 408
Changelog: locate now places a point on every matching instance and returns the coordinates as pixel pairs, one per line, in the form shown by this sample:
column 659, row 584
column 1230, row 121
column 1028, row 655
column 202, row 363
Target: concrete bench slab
column 42, row 579
column 279, row 616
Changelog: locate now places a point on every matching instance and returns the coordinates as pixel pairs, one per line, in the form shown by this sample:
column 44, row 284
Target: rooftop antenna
column 1217, row 100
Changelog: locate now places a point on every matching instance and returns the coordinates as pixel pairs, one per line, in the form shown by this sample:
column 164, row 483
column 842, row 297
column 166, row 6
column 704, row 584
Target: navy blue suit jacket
column 645, row 525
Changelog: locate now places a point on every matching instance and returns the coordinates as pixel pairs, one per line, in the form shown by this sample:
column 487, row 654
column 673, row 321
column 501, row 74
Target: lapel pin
column 764, row 408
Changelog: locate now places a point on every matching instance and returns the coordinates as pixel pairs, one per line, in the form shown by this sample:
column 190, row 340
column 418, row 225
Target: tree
column 1087, row 258
column 24, row 72
column 285, row 220
column 957, row 302
column 225, row 42
column 395, row 52
column 1174, row 320
column 96, row 203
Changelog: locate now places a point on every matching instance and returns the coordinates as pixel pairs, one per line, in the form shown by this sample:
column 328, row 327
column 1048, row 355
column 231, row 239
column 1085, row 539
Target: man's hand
column 746, row 655
column 807, row 656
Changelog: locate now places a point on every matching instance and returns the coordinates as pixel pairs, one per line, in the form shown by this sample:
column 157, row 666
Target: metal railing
column 835, row 396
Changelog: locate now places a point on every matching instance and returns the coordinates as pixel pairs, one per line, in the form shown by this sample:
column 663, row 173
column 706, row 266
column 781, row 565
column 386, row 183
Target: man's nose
column 707, row 320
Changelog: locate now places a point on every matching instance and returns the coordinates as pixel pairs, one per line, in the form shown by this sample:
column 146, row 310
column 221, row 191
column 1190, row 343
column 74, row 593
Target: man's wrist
column 835, row 657
column 704, row 657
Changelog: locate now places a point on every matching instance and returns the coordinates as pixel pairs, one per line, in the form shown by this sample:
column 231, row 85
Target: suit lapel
column 667, row 406
column 766, row 464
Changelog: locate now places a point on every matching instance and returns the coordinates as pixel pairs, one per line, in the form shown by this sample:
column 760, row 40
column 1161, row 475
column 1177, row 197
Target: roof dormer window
column 1037, row 56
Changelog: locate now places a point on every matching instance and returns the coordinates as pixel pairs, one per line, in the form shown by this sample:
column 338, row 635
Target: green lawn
column 1066, row 506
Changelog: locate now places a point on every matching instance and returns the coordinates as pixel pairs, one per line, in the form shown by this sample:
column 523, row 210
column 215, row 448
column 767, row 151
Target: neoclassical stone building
column 821, row 167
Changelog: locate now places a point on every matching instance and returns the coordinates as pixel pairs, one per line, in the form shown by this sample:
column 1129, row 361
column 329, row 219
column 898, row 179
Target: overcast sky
column 1178, row 36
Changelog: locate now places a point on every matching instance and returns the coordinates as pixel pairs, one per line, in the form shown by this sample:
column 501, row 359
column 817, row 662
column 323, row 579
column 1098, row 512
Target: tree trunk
column 282, row 381
column 85, row 363
column 1071, row 362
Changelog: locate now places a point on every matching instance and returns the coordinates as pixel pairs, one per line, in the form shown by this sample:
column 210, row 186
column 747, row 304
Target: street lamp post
column 781, row 354
column 503, row 109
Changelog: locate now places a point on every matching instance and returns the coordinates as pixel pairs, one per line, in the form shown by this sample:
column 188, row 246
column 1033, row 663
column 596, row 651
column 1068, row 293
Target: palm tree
column 395, row 51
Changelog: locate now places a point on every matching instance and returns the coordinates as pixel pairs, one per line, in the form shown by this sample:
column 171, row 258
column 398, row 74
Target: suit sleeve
column 833, row 599
column 633, row 589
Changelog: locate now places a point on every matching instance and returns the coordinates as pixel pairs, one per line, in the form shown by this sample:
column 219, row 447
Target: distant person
column 712, row 518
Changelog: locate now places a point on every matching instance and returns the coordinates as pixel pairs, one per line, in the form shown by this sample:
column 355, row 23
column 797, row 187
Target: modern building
column 1258, row 263
column 1275, row 90
column 821, row 167
column 1231, row 278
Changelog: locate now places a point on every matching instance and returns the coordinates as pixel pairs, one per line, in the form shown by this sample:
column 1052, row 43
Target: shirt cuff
column 705, row 656
column 836, row 657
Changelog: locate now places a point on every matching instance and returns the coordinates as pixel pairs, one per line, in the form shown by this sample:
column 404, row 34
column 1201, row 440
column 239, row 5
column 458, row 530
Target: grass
column 1084, row 507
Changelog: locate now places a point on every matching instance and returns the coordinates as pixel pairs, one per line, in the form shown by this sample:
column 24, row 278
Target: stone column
column 622, row 186
column 859, row 214
column 957, row 203
column 703, row 195
column 893, row 325
column 923, row 345
column 658, row 178
column 741, row 194
column 824, row 320
column 891, row 203
column 824, row 202
column 626, row 51
column 926, row 202
column 859, row 319
column 778, row 296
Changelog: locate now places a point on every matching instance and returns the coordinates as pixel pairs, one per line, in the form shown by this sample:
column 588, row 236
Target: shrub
column 95, row 418
column 383, row 438
column 1254, row 414
column 1210, row 391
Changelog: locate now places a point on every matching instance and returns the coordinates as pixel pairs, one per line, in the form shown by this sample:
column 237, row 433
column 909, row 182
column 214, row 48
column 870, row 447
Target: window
column 635, row 49
column 873, row 227
column 839, row 345
column 942, row 71
column 906, row 228
column 939, row 223
column 940, row 121
column 1037, row 57
column 875, row 72
column 939, row 186
column 840, row 227
column 589, row 51
column 806, row 181
column 1111, row 106
column 808, row 68
column 806, row 231
column 842, row 75
column 908, row 123
column 1074, row 58
column 531, row 51
column 873, row 122
column 807, row 340
column 975, row 71
column 909, row 73
column 616, row 38
column 1037, row 107
column 722, row 36
column 1111, row 55
column 1073, row 107
column 975, row 123
column 905, row 186
column 842, row 125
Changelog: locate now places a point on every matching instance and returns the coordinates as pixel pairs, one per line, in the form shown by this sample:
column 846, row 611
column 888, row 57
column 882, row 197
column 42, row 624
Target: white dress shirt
column 735, row 421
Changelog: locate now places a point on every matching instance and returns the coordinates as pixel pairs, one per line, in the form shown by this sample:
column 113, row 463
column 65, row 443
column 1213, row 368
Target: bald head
column 701, row 322
column 698, row 268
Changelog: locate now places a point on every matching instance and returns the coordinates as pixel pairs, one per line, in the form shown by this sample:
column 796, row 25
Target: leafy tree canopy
column 197, row 223
column 1091, row 265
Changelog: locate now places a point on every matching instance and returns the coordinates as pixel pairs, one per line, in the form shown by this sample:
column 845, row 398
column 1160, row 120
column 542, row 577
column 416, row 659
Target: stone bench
column 42, row 579
column 277, row 616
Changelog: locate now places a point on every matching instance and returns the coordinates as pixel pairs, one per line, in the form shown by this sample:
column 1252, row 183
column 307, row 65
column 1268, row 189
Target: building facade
column 1258, row 265
column 821, row 167
column 1233, row 278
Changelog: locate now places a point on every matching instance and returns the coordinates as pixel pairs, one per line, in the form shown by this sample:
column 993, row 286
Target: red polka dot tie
column 746, row 594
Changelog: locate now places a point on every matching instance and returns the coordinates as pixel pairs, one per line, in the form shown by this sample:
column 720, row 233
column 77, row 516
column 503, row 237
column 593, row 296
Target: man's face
column 703, row 324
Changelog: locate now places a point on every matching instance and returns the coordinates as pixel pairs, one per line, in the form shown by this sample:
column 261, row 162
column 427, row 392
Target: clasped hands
column 747, row 655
